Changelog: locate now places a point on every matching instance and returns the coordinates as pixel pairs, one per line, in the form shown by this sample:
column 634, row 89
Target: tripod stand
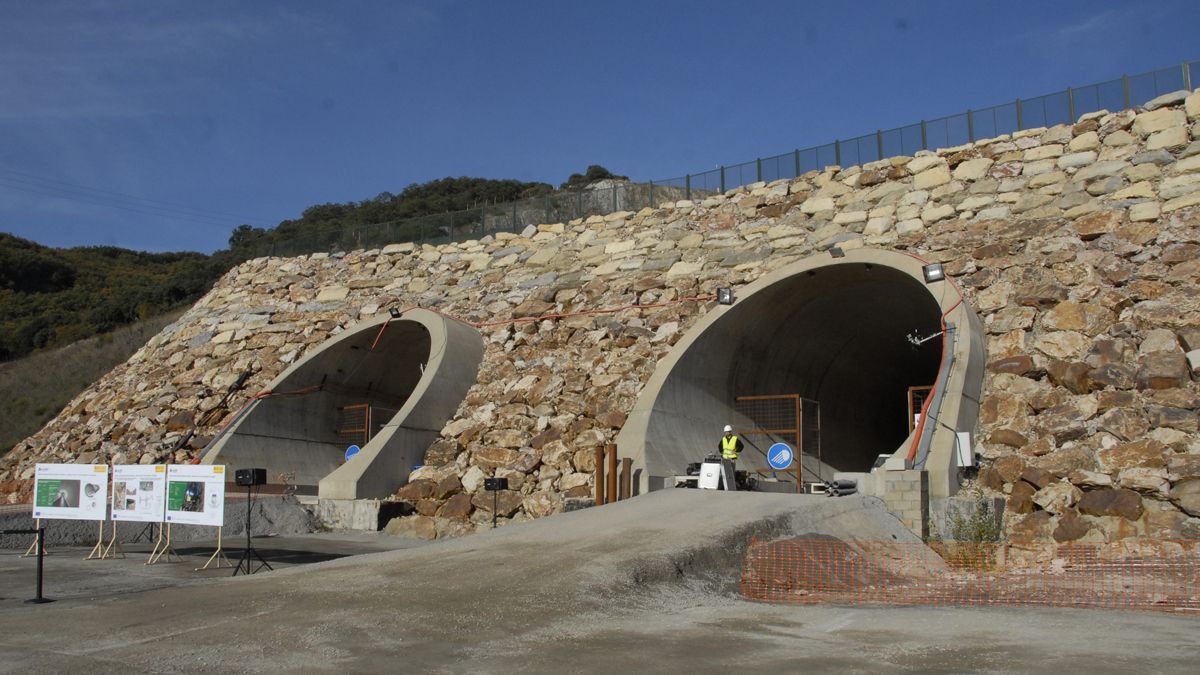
column 246, row 555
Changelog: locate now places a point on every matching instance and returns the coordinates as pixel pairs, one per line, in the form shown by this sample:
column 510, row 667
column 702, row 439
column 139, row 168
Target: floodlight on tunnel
column 725, row 296
column 933, row 272
column 394, row 312
column 836, row 252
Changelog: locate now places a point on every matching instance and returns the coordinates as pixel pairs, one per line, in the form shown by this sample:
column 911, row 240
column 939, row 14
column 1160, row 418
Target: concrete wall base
column 367, row 515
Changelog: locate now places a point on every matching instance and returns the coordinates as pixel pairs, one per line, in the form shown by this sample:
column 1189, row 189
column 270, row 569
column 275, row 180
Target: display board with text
column 71, row 491
column 196, row 494
column 139, row 492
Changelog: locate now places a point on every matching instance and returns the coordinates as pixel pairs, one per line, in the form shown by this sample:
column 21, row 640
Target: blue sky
column 163, row 125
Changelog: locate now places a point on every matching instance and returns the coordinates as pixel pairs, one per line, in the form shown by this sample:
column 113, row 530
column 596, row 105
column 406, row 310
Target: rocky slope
column 1076, row 245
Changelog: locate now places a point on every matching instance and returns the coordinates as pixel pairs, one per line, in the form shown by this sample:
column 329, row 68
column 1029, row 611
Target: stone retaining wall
column 1076, row 245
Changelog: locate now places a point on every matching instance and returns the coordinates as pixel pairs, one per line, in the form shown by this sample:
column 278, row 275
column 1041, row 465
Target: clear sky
column 163, row 125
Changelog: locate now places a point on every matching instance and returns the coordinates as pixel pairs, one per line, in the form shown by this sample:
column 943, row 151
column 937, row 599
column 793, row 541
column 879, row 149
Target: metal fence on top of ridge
column 561, row 206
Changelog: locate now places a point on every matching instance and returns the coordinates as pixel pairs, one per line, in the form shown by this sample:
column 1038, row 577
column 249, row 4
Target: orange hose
column 912, row 448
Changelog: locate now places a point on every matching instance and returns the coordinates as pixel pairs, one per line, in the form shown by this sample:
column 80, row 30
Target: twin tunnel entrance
column 834, row 333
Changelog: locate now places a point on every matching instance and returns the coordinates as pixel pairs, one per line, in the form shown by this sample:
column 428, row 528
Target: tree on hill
column 594, row 173
column 322, row 225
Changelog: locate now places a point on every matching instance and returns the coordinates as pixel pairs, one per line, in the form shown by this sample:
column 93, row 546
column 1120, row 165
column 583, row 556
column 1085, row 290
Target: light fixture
column 836, row 252
column 725, row 296
column 394, row 312
column 933, row 272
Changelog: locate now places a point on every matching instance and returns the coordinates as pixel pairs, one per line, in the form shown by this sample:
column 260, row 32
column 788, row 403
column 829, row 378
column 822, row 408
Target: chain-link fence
column 610, row 196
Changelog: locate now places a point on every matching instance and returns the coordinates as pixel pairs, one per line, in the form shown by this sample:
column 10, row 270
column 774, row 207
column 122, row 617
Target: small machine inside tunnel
column 851, row 339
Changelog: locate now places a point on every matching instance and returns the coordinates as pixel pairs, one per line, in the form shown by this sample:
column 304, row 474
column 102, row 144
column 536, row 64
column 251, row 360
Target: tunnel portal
column 839, row 335
column 387, row 385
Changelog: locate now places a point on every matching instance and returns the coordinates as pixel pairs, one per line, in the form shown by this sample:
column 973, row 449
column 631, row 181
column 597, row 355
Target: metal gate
column 358, row 423
column 789, row 418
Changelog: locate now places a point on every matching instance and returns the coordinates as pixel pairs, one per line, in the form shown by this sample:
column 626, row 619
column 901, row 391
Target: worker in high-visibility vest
column 730, row 445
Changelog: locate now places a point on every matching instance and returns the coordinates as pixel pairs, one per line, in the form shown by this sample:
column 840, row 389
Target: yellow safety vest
column 729, row 447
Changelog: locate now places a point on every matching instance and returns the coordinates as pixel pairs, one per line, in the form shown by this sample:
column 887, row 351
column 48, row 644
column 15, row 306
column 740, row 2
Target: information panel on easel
column 139, row 492
column 196, row 494
column 71, row 491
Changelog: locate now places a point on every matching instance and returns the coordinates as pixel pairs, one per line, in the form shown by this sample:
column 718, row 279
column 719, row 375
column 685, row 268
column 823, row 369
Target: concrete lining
column 420, row 366
column 830, row 329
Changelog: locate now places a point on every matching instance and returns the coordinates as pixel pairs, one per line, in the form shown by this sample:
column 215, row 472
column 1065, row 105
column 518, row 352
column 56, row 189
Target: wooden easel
column 113, row 544
column 98, row 550
column 33, row 546
column 218, row 555
column 163, row 547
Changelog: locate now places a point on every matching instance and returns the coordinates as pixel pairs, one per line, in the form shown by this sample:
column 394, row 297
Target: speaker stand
column 246, row 564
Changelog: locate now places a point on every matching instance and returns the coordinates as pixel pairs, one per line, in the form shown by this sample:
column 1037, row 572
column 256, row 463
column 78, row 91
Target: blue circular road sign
column 351, row 451
column 780, row 456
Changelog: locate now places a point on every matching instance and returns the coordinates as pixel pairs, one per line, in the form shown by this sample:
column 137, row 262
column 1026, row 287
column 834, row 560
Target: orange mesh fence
column 1130, row 574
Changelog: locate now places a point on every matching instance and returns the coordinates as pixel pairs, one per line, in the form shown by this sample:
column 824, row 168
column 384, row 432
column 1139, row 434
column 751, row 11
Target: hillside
column 35, row 388
column 1075, row 246
column 53, row 297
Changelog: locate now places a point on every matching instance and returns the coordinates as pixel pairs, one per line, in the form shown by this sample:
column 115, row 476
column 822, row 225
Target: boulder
column 1056, row 497
column 1020, row 500
column 543, row 503
column 1009, row 468
column 1038, row 478
column 1062, row 462
column 1144, row 452
column 1118, row 502
column 1144, row 479
column 1123, row 423
column 416, row 490
column 1163, row 370
column 1074, row 376
column 457, row 507
column 503, row 502
column 1031, row 532
column 1070, row 527
column 492, row 458
column 1016, row 365
column 1186, row 495
column 412, row 527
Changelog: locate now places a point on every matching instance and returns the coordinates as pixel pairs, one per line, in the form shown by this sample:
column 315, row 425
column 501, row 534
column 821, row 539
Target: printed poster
column 196, row 494
column 71, row 491
column 139, row 492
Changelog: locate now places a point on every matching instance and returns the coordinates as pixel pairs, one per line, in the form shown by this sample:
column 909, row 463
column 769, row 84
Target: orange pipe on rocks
column 611, row 451
column 600, row 476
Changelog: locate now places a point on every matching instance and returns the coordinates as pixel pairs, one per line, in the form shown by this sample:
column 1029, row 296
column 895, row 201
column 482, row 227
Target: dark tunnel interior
column 837, row 335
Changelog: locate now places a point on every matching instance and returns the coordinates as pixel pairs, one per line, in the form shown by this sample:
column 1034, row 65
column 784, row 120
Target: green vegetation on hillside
column 34, row 389
column 53, row 297
column 324, row 224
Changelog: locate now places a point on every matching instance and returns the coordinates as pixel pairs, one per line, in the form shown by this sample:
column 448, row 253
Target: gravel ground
column 647, row 585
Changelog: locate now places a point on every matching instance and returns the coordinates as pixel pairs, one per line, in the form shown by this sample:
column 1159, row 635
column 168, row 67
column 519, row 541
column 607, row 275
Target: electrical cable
column 912, row 449
column 66, row 190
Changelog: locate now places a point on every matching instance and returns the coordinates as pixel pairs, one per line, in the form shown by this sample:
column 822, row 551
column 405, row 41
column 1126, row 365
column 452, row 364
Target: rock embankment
column 1076, row 245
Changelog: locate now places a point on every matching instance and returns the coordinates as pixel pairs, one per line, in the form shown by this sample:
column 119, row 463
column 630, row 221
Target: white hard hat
column 728, row 428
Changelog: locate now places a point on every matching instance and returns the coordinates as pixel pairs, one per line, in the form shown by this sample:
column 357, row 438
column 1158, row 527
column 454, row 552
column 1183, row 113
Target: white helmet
column 728, row 428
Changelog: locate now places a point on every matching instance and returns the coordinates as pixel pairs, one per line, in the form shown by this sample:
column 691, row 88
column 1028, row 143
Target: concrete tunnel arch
column 420, row 366
column 834, row 330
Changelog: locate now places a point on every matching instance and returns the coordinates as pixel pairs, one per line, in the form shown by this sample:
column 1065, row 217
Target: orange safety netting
column 1129, row 574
